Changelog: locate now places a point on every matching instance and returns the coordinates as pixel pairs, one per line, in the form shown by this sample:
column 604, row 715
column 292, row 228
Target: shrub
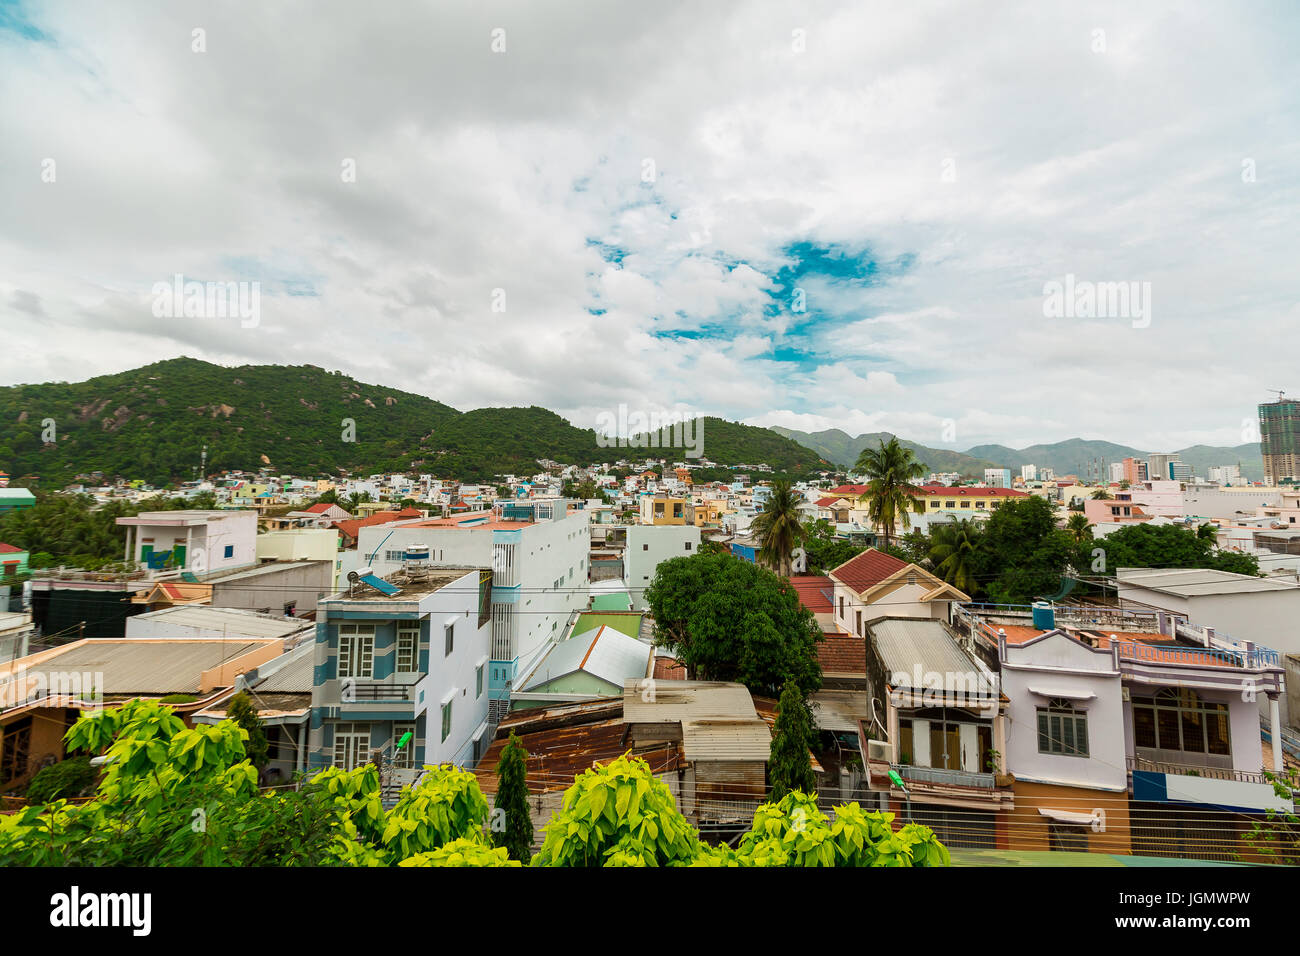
column 67, row 778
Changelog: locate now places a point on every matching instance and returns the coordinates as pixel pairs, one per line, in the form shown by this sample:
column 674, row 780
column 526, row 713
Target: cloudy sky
column 817, row 215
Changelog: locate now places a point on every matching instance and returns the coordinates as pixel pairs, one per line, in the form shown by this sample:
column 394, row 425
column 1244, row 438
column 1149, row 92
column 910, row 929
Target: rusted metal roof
column 678, row 700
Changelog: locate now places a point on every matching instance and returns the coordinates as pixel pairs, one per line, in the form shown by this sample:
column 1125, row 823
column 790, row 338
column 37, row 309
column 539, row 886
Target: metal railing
column 1179, row 654
column 943, row 777
column 382, row 691
column 1187, row 770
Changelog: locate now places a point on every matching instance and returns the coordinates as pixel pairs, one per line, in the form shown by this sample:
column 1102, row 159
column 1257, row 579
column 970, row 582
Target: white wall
column 647, row 545
column 1059, row 663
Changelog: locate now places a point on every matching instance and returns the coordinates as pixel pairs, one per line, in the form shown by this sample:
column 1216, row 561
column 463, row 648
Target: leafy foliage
column 778, row 528
column 243, row 713
column 726, row 619
column 795, row 832
column 516, row 824
column 618, row 815
column 790, row 766
column 462, row 852
column 890, row 470
column 68, row 778
column 1169, row 546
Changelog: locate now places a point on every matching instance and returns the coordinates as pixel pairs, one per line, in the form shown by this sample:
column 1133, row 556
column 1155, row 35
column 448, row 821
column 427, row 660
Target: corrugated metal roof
column 294, row 677
column 920, row 654
column 143, row 666
column 605, row 653
column 726, row 738
column 237, row 622
column 676, row 700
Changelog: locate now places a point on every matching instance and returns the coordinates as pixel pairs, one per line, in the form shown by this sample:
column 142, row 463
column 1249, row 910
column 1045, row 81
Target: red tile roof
column 809, row 587
column 868, row 569
column 319, row 508
column 854, row 490
column 942, row 491
column 825, row 502
column 350, row 526
column 10, row 549
column 841, row 653
column 667, row 668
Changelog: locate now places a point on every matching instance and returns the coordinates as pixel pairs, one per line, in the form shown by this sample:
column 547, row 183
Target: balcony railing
column 1187, row 770
column 948, row 778
column 382, row 691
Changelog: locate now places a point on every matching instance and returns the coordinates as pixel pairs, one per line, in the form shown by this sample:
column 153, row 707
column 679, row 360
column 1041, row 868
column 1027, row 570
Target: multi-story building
column 997, row 477
column 663, row 509
column 963, row 500
column 538, row 551
column 1279, row 439
column 1129, row 730
column 647, row 545
column 1160, row 467
column 1029, row 472
column 406, row 653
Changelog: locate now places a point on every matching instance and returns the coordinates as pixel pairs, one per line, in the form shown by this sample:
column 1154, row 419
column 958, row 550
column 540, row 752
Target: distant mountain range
column 1074, row 456
column 152, row 423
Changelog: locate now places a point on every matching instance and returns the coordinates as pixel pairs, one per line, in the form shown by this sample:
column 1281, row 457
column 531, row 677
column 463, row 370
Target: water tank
column 1044, row 616
column 416, row 552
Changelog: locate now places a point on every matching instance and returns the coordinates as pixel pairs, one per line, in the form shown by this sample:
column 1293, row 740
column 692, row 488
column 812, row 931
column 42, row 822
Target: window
column 356, row 650
column 965, row 504
column 408, row 648
column 841, row 607
column 688, row 546
column 950, row 504
column 1064, row 836
column 446, row 721
column 351, row 745
column 645, row 547
column 405, row 758
column 230, row 551
column 448, row 638
column 1062, row 729
column 1175, row 719
column 397, row 556
column 478, row 682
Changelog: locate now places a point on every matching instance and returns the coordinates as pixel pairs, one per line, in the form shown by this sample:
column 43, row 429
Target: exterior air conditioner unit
column 879, row 751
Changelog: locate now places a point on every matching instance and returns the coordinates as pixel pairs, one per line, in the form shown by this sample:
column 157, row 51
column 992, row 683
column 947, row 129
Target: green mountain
column 839, row 447
column 152, row 423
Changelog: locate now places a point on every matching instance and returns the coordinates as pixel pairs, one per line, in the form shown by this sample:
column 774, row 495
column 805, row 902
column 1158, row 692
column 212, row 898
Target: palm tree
column 1101, row 494
column 779, row 528
column 952, row 550
column 1079, row 528
column 890, row 471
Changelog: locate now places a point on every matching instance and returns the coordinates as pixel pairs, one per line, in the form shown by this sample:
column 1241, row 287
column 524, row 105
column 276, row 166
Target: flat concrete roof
column 1194, row 582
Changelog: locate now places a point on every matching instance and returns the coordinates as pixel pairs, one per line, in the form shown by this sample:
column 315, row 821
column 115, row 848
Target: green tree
column 618, row 814
column 952, row 553
column 790, row 764
column 891, row 471
column 242, row 711
column 1148, row 545
column 1022, row 555
column 779, row 528
column 1079, row 528
column 727, row 619
column 1101, row 494
column 512, row 826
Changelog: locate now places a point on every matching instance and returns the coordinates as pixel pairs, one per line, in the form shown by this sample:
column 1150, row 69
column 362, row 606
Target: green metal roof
column 614, row 601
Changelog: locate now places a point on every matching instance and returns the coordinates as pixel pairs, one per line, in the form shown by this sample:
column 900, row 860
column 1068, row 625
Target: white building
column 997, row 477
column 197, row 541
column 1239, row 606
column 537, row 551
column 647, row 545
column 1029, row 472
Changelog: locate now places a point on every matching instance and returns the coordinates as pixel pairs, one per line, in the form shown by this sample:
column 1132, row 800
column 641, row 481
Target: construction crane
column 1280, row 392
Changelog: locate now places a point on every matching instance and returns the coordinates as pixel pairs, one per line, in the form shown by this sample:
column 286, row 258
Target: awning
column 1067, row 816
column 1062, row 693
